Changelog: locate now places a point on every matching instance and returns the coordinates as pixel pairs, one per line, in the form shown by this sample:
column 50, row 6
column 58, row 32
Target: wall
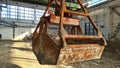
column 7, row 32
column 115, row 20
column 107, row 21
column 100, row 18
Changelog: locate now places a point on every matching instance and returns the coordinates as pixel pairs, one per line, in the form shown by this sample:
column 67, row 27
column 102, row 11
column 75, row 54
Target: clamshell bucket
column 54, row 44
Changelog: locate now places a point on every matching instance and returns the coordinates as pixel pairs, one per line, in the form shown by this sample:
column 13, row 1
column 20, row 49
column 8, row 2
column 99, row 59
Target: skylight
column 94, row 2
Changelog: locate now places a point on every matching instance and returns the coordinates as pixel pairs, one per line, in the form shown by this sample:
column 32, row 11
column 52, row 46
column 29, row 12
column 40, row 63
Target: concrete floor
column 20, row 55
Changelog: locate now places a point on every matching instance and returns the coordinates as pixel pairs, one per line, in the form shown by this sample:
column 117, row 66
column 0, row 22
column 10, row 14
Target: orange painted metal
column 66, row 21
column 64, row 46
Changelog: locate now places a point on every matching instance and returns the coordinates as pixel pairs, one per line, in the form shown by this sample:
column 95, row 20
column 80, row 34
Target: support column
column 111, row 22
column 108, row 22
column 13, row 30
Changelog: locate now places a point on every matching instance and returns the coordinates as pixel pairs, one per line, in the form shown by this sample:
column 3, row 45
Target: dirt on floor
column 20, row 55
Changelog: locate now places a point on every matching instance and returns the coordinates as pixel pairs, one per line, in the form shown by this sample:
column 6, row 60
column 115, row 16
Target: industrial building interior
column 19, row 18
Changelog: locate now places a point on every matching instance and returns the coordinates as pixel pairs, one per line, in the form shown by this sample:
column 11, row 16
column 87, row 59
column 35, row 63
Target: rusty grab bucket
column 49, row 48
column 64, row 46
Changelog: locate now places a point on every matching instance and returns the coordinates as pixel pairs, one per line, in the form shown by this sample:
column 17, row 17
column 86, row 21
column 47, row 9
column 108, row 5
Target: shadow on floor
column 23, row 49
column 23, row 58
column 8, row 65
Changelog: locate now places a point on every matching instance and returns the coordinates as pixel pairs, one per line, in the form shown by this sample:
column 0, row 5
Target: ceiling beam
column 33, row 2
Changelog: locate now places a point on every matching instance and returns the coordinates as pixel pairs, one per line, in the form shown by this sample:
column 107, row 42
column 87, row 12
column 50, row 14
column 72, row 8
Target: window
column 21, row 13
column 39, row 13
column 89, row 29
column 9, row 12
column 94, row 2
column 29, row 14
column 13, row 11
column 4, row 13
column 16, row 12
